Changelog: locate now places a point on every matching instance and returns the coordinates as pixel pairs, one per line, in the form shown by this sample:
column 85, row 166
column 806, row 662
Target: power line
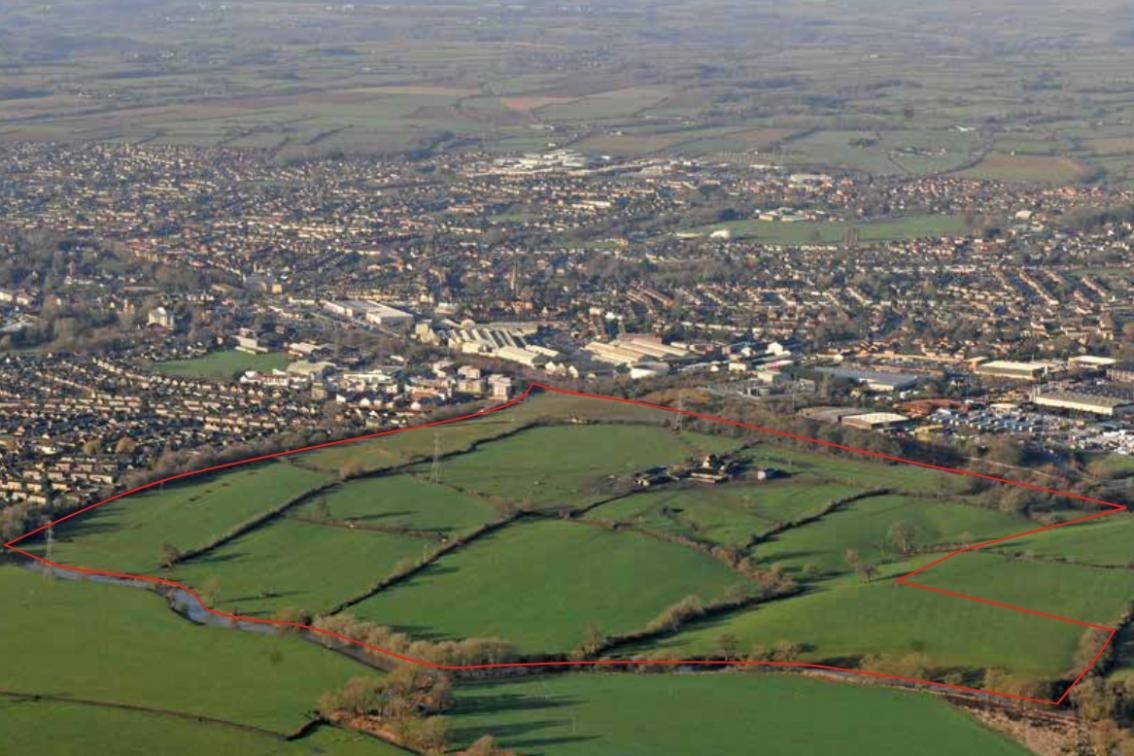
column 435, row 471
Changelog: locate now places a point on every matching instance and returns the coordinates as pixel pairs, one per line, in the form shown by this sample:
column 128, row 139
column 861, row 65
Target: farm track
column 905, row 580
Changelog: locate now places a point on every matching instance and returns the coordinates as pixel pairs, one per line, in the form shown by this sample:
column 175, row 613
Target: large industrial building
column 632, row 349
column 372, row 312
column 875, row 380
column 1105, row 405
column 1019, row 371
column 1122, row 372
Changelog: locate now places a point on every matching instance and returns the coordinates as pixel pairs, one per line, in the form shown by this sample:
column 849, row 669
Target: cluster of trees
column 467, row 651
column 406, row 705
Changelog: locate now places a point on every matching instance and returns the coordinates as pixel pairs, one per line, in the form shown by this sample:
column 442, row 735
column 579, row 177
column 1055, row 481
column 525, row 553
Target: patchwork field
column 722, row 713
column 578, row 551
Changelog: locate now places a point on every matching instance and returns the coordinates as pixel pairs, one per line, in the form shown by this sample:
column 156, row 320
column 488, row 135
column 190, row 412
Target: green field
column 1039, row 169
column 402, row 448
column 865, row 524
column 122, row 645
column 832, row 232
column 1108, row 540
column 54, row 728
column 223, row 365
column 845, row 618
column 856, row 470
column 716, row 713
column 403, row 501
column 289, row 563
column 541, row 584
column 1090, row 594
column 571, row 466
column 128, row 534
column 546, row 584
column 726, row 515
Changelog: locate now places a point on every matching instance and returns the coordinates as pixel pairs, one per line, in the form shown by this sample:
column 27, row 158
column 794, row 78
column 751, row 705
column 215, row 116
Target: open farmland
column 722, row 713
column 538, row 532
column 542, row 584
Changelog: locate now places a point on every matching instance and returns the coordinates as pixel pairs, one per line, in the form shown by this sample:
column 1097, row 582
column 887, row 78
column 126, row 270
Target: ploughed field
column 568, row 528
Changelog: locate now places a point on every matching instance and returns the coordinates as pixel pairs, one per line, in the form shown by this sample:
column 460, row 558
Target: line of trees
column 462, row 652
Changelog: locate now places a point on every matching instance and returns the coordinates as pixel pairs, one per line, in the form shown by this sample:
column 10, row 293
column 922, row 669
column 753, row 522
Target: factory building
column 1019, row 371
column 1081, row 401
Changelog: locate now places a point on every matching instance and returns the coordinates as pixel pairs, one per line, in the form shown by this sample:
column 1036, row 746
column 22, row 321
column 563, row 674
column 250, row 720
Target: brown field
column 1038, row 168
column 1111, row 146
column 628, row 144
column 528, row 104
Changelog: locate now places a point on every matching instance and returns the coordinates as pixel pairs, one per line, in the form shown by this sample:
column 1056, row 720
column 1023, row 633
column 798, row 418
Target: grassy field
column 845, row 618
column 404, row 501
column 865, row 524
column 715, row 713
column 122, row 645
column 1112, row 465
column 571, row 466
column 54, row 728
column 223, row 365
column 541, row 584
column 727, row 515
column 856, row 470
column 1084, row 593
column 1110, row 540
column 1027, row 168
column 401, row 448
column 128, row 534
column 289, row 563
column 833, row 232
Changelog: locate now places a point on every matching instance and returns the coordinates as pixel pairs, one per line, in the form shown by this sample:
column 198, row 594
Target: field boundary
column 1109, row 508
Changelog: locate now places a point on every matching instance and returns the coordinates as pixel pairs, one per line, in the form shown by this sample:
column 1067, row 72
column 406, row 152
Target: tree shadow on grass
column 379, row 516
column 519, row 735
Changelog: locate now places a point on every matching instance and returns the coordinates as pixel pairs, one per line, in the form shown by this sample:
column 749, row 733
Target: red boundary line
column 1110, row 508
